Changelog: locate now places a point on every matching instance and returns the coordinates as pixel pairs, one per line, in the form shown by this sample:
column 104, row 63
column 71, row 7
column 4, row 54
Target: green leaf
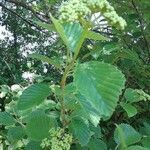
column 33, row 96
column 72, row 34
column 78, row 147
column 6, row 119
column 75, row 35
column 131, row 110
column 48, row 105
column 89, row 110
column 120, row 135
column 146, row 142
column 129, row 134
column 15, row 133
column 80, row 130
column 52, row 61
column 145, row 129
column 130, row 54
column 95, row 36
column 97, row 144
column 38, row 125
column 111, row 46
column 60, row 30
column 137, row 147
column 78, row 111
column 100, row 84
column 96, row 131
column 131, row 95
column 47, row 26
column 33, row 145
column 70, row 89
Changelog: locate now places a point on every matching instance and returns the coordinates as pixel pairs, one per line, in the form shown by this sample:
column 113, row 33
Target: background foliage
column 124, row 114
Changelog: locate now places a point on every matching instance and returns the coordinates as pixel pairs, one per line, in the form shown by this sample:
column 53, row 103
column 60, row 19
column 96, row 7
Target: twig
column 9, row 69
column 24, row 5
column 141, row 26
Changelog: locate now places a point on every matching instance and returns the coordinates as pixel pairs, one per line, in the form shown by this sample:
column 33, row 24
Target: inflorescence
column 58, row 140
column 75, row 10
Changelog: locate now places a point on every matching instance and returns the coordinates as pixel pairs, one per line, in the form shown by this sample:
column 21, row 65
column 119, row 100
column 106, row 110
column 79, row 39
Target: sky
column 4, row 33
column 3, row 29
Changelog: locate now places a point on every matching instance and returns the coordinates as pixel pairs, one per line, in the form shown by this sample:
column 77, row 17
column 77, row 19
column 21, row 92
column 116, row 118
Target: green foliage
column 6, row 119
column 52, row 61
column 104, row 84
column 75, row 35
column 46, row 26
column 15, row 133
column 136, row 147
column 145, row 142
column 87, row 110
column 80, row 130
column 89, row 89
column 38, row 121
column 131, row 110
column 96, row 144
column 131, row 95
column 33, row 96
column 126, row 135
column 33, row 145
column 95, row 36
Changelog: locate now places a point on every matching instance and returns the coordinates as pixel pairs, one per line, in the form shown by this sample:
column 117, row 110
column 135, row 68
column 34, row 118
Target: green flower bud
column 58, row 140
column 73, row 10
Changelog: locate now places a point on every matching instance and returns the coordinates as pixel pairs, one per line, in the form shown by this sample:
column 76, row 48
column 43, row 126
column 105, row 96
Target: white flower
column 15, row 88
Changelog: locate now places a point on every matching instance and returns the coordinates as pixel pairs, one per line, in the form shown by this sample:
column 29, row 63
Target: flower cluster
column 142, row 95
column 74, row 10
column 59, row 140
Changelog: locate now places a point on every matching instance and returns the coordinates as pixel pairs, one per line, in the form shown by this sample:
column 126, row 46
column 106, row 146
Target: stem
column 63, row 83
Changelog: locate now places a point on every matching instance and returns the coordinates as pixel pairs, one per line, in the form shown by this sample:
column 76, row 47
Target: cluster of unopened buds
column 75, row 10
column 58, row 140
